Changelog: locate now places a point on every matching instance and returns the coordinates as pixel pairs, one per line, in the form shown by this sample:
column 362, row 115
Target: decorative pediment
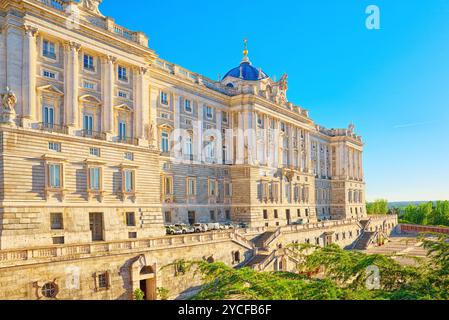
column 123, row 107
column 90, row 99
column 50, row 89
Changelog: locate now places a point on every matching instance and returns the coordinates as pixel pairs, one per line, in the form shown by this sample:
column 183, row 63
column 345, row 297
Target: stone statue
column 283, row 83
column 8, row 102
column 351, row 128
column 91, row 5
column 9, row 99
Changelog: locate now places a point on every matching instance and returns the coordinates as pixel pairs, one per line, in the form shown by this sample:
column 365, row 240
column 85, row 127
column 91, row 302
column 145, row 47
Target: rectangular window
column 49, row 49
column 88, row 85
column 56, row 221
column 164, row 98
column 212, row 191
column 224, row 117
column 191, row 188
column 103, row 282
column 188, row 146
column 168, row 185
column 94, row 152
column 209, row 113
column 129, row 181
column 188, row 106
column 212, row 215
column 165, row 142
column 132, row 235
column 88, row 124
column 167, row 215
column 123, row 94
column 228, row 189
column 54, row 146
column 122, row 73
column 228, row 214
column 49, row 74
column 48, row 116
column 129, row 156
column 58, row 240
column 94, row 179
column 265, row 214
column 276, row 215
column 130, row 219
column 89, row 62
column 54, row 177
column 122, row 131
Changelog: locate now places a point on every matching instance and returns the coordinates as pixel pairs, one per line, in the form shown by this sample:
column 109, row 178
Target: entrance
column 328, row 239
column 96, row 226
column 148, row 283
column 192, row 217
column 289, row 217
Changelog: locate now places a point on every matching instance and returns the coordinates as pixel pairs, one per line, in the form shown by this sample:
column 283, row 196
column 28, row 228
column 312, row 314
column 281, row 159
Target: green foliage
column 427, row 214
column 139, row 294
column 377, row 207
column 163, row 293
column 343, row 276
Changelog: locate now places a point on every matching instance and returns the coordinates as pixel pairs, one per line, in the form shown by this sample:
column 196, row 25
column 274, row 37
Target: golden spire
column 245, row 51
column 245, row 47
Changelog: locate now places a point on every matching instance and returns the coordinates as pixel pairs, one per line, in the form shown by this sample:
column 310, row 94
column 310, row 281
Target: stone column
column 108, row 94
column 290, row 146
column 308, row 150
column 219, row 142
column 71, row 84
column 13, row 65
column 240, row 145
column 177, row 126
column 200, row 132
column 29, row 75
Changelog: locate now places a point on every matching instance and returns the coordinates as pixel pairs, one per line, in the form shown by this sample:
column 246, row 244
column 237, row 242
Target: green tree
column 379, row 206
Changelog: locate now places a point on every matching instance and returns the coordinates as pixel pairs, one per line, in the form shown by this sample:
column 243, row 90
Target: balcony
column 128, row 140
column 93, row 134
column 53, row 128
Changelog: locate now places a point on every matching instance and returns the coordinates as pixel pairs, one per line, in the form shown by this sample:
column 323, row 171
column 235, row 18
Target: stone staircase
column 364, row 240
column 260, row 241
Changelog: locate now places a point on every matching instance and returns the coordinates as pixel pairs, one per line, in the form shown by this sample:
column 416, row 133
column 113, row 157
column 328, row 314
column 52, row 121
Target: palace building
column 103, row 143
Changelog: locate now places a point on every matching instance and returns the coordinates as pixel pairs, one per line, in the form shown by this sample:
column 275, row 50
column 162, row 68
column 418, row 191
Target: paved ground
column 403, row 248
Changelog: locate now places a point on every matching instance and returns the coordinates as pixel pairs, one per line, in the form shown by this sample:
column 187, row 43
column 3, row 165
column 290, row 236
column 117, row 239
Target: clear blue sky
column 392, row 83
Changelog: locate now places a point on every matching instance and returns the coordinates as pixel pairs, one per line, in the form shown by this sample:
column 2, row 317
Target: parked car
column 243, row 225
column 172, row 230
column 226, row 226
column 185, row 228
column 213, row 226
column 200, row 227
column 298, row 223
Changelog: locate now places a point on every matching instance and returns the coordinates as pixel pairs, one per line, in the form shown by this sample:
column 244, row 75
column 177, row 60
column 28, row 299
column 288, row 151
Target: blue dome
column 247, row 72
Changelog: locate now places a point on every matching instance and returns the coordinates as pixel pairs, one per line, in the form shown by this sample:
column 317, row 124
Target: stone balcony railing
column 105, row 23
column 27, row 256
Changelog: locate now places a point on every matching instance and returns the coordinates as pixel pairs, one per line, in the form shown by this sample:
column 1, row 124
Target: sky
column 392, row 83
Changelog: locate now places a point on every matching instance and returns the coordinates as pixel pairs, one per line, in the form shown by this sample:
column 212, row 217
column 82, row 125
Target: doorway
column 289, row 217
column 147, row 283
column 192, row 217
column 96, row 226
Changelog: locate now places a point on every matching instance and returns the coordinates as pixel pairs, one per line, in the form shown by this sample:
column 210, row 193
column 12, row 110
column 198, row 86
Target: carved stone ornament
column 8, row 102
column 91, row 5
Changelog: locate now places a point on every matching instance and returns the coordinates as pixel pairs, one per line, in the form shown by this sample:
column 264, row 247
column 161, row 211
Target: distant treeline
column 428, row 214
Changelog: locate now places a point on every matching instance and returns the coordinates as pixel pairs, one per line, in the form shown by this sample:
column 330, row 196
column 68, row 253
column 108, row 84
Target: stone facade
column 103, row 142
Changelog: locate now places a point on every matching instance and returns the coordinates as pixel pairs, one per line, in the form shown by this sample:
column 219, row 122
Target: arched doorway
column 143, row 277
column 147, row 283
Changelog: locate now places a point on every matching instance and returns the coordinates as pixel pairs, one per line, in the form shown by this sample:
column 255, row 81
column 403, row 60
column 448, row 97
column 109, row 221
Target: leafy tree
column 379, row 206
column 343, row 275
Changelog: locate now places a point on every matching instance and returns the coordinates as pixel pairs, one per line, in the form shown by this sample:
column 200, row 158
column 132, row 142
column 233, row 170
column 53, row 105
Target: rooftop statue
column 91, row 5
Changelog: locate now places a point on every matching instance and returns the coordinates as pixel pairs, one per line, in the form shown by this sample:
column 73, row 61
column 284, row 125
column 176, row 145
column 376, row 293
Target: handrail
column 270, row 239
column 239, row 238
column 265, row 262
column 11, row 257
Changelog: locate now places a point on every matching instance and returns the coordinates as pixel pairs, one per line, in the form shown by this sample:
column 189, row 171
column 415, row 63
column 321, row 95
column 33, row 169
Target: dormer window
column 48, row 49
column 122, row 73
